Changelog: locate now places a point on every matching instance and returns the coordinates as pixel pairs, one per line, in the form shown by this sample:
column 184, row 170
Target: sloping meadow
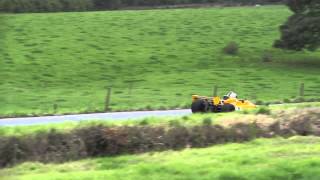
column 62, row 63
column 96, row 141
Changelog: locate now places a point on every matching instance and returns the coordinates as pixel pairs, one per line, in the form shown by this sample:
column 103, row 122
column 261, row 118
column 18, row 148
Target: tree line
column 21, row 6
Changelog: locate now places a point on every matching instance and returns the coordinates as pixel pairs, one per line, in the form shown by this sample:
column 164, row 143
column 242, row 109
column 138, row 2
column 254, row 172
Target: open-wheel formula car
column 229, row 103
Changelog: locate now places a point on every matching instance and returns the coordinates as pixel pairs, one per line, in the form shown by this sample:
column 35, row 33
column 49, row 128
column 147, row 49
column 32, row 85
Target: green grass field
column 151, row 58
column 263, row 159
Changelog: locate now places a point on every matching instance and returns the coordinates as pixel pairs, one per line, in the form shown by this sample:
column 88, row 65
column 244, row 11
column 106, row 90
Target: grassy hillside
column 152, row 59
column 264, row 159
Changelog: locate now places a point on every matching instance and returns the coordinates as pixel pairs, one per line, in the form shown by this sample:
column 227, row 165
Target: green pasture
column 153, row 59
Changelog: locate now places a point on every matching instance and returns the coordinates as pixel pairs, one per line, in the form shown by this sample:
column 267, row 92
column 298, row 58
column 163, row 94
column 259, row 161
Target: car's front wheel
column 199, row 106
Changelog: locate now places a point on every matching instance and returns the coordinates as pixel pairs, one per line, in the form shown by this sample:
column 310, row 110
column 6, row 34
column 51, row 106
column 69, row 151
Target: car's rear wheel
column 228, row 108
column 199, row 106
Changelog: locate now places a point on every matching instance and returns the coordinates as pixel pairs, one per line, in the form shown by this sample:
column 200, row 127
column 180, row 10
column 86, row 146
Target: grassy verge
column 190, row 120
column 153, row 59
column 264, row 159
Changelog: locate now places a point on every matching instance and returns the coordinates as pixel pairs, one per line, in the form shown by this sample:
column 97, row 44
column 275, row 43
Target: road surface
column 96, row 116
column 110, row 116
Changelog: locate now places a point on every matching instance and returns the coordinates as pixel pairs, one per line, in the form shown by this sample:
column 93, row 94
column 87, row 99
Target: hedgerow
column 100, row 140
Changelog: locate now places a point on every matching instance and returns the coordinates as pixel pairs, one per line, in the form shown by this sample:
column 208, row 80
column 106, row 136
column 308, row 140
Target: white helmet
column 232, row 94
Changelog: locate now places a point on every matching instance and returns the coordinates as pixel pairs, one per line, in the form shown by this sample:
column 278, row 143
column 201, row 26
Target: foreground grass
column 153, row 59
column 263, row 159
column 189, row 120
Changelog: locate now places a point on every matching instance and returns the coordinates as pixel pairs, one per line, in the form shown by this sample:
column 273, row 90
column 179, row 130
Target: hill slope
column 152, row 59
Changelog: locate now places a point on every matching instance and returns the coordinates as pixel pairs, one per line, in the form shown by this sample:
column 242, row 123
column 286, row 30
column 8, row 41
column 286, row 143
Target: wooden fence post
column 215, row 90
column 55, row 108
column 108, row 98
column 130, row 88
column 301, row 93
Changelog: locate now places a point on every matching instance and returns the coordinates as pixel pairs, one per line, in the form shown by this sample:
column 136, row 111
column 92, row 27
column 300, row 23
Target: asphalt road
column 96, row 116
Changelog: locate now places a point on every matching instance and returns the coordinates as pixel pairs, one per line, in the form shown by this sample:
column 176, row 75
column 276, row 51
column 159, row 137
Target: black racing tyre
column 228, row 108
column 199, row 106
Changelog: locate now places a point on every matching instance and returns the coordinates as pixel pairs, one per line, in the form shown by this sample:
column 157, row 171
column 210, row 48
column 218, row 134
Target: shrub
column 312, row 100
column 240, row 132
column 231, row 49
column 177, row 137
column 185, row 118
column 143, row 139
column 98, row 140
column 12, row 151
column 56, row 147
column 162, row 108
column 148, row 108
column 267, row 57
column 259, row 102
column 276, row 102
column 263, row 110
column 174, row 123
column 201, row 136
column 197, row 137
column 144, row 122
column 245, row 111
column 298, row 100
column 286, row 100
column 300, row 122
column 207, row 121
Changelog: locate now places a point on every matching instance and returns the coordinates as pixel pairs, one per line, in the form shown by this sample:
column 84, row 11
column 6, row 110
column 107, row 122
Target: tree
column 302, row 29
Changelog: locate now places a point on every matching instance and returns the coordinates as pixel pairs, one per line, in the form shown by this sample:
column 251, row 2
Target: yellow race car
column 229, row 103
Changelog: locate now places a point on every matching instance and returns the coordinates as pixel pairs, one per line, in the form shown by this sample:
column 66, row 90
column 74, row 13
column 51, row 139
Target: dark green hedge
column 109, row 141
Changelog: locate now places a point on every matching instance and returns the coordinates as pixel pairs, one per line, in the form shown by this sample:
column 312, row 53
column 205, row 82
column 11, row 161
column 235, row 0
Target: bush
column 207, row 121
column 286, row 100
column 276, row 102
column 98, row 140
column 267, row 57
column 144, row 139
column 185, row 118
column 144, row 122
column 300, row 122
column 312, row 100
column 298, row 100
column 108, row 140
column 56, row 147
column 231, row 49
column 177, row 137
column 244, row 111
column 263, row 110
column 174, row 123
column 12, row 151
column 259, row 102
column 148, row 108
